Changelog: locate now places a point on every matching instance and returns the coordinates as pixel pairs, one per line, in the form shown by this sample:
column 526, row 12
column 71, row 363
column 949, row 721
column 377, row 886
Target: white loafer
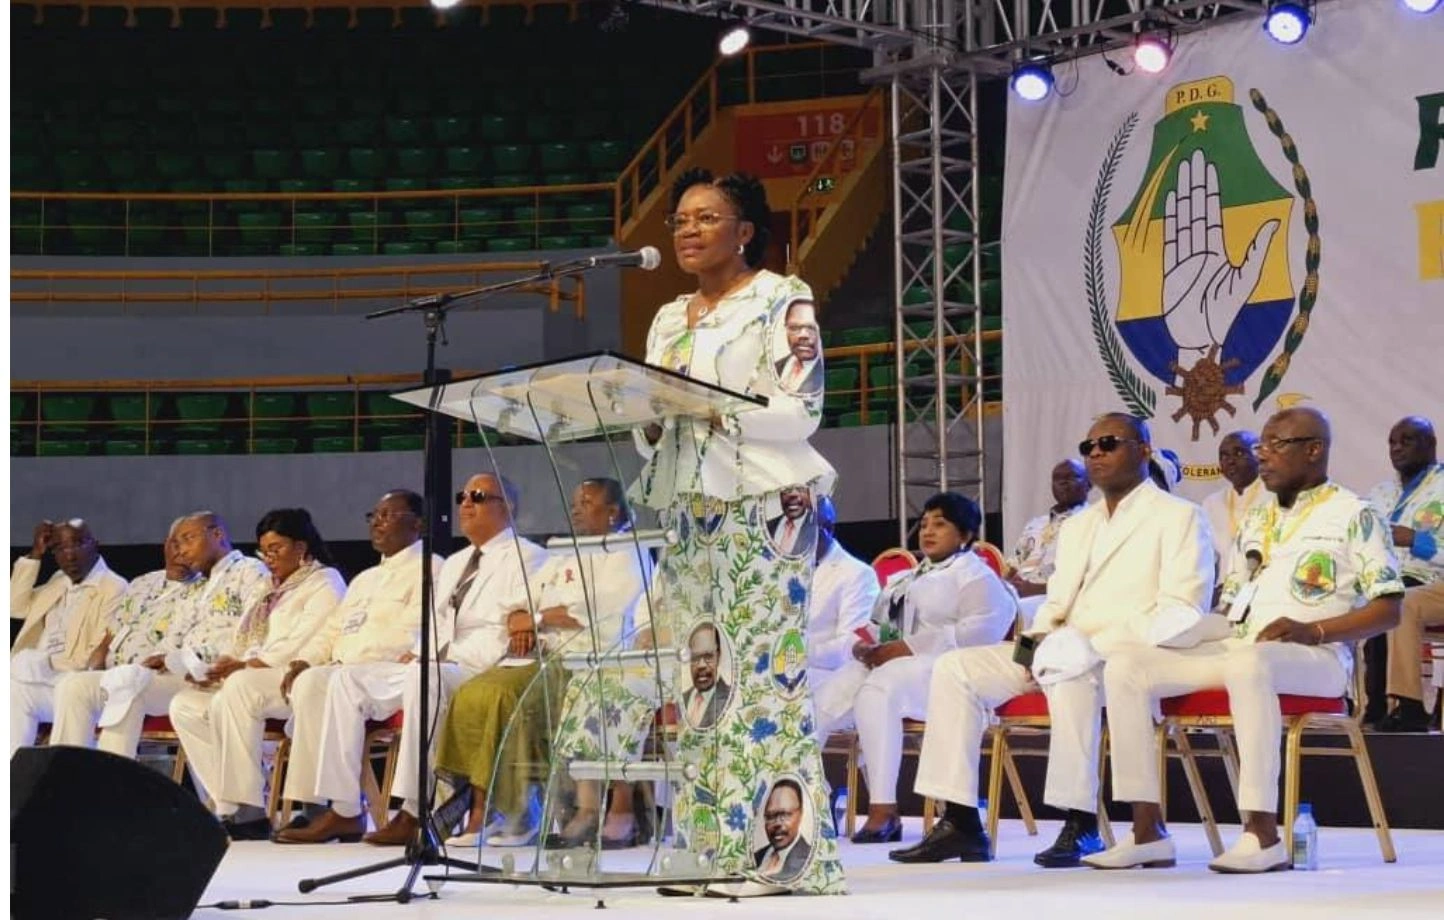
column 465, row 841
column 1247, row 856
column 522, row 838
column 748, row 889
column 1126, row 854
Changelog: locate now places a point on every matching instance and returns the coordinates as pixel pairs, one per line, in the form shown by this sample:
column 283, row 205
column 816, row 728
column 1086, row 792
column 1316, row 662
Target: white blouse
column 738, row 345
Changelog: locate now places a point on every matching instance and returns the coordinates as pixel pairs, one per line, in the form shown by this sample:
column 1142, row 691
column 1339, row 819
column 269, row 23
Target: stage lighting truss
column 1153, row 48
column 1032, row 80
column 1287, row 21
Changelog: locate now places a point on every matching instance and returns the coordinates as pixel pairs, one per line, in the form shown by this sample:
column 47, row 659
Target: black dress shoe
column 1408, row 716
column 259, row 829
column 946, row 841
column 890, row 832
column 1068, row 850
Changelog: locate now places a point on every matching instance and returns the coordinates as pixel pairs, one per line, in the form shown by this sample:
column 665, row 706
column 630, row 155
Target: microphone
column 647, row 259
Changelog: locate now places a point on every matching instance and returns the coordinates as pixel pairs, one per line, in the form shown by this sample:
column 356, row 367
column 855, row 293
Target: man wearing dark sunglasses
column 1119, row 562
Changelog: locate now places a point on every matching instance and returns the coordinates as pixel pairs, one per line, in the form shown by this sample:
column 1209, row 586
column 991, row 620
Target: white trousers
column 360, row 692
column 30, row 704
column 1253, row 673
column 79, row 699
column 222, row 731
column 883, row 697
column 967, row 685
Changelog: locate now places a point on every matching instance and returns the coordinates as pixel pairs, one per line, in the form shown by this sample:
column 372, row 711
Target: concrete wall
column 140, row 340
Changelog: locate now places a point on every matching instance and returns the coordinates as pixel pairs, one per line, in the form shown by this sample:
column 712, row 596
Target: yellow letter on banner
column 1431, row 240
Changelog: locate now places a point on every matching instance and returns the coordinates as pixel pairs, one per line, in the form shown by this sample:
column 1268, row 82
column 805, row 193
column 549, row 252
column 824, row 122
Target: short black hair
column 414, row 503
column 785, row 783
column 296, row 524
column 612, row 494
column 1138, row 425
column 747, row 195
column 959, row 510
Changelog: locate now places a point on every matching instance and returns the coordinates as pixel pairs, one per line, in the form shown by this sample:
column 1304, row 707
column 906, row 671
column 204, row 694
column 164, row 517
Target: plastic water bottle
column 1306, row 839
column 839, row 809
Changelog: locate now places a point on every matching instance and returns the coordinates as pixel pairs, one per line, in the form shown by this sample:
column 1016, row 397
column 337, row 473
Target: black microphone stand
column 424, row 849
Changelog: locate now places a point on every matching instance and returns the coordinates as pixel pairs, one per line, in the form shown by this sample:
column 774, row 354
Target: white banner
column 1258, row 226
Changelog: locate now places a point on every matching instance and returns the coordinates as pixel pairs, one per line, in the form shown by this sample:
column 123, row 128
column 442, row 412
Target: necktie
column 468, row 575
column 773, row 864
column 694, row 711
column 789, row 534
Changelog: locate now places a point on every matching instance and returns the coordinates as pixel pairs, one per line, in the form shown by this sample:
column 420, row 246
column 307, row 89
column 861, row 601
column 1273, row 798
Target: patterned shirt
column 1321, row 558
column 209, row 621
column 1037, row 546
column 1421, row 510
column 142, row 618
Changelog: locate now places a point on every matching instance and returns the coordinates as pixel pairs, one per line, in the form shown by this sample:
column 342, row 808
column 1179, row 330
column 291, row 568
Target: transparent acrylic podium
column 600, row 710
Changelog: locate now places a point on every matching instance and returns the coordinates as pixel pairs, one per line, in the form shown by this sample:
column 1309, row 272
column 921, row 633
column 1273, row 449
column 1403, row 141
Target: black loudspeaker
column 93, row 835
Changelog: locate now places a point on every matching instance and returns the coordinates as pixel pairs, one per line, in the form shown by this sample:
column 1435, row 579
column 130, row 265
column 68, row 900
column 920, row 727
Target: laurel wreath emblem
column 1138, row 396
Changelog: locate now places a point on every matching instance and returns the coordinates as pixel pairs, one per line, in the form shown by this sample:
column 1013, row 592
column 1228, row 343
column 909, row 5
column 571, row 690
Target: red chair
column 1207, row 712
column 891, row 561
column 992, row 556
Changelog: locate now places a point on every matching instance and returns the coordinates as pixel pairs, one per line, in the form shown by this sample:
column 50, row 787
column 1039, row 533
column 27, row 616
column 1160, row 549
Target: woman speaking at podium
column 740, row 489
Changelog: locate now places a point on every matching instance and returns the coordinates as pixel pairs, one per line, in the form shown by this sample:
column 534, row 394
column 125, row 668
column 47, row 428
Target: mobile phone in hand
column 1023, row 648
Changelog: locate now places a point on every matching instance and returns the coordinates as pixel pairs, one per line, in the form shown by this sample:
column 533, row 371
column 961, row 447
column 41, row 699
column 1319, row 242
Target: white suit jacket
column 1113, row 575
column 101, row 589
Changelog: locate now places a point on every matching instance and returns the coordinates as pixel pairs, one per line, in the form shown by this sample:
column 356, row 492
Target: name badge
column 1241, row 602
column 55, row 645
column 353, row 623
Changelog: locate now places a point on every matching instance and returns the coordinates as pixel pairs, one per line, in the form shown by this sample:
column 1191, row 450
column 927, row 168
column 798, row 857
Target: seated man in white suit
column 375, row 623
column 950, row 601
column 1120, row 562
column 65, row 620
column 844, row 591
column 1312, row 571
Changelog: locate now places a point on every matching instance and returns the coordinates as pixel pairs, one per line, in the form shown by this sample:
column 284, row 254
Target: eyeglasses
column 1108, row 444
column 276, row 549
column 1277, row 445
column 772, row 817
column 704, row 221
column 477, row 496
column 385, row 516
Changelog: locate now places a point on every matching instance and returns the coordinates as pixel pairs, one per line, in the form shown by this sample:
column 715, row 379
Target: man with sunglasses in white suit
column 1124, row 565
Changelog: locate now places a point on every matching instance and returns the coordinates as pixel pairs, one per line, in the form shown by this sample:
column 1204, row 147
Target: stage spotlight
column 1152, row 49
column 1032, row 81
column 444, row 4
column 1423, row 6
column 735, row 37
column 1287, row 22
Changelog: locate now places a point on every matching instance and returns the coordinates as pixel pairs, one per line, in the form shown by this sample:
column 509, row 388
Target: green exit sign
column 824, row 184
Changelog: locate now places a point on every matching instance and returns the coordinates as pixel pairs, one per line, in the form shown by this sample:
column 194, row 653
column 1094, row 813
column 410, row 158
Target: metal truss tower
column 933, row 54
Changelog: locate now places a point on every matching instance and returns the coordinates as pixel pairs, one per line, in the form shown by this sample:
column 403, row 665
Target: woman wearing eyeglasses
column 743, row 561
column 220, row 723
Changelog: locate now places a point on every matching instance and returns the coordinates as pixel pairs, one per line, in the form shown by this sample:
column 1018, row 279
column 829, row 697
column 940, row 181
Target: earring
column 741, row 249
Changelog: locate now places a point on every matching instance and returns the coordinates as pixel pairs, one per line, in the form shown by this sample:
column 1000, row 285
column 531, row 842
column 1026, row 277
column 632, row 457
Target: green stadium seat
column 542, row 126
column 201, row 406
column 57, row 408
column 221, row 165
column 271, row 164
column 356, row 132
column 405, row 248
column 464, row 160
column 315, row 226
column 123, row 164
column 201, row 447
column 415, row 161
column 864, row 335
column 273, row 405
column 353, row 249
column 259, row 228
column 606, row 155
column 849, row 420
column 367, row 162
column 456, row 247
column 62, row 448
column 535, row 219
column 496, row 129
column 401, row 442
column 123, row 447
column 509, row 244
column 561, row 241
column 591, row 124
column 332, row 405
column 333, row 444
column 589, row 218
column 127, row 407
column 560, row 157
column 380, row 404
column 482, row 222
column 305, row 134
column 459, row 183
column 511, row 158
column 430, row 224
column 400, row 130
column 352, row 187
column 273, row 445
column 451, row 129
column 320, row 163
column 599, row 241
column 366, row 225
column 300, row 186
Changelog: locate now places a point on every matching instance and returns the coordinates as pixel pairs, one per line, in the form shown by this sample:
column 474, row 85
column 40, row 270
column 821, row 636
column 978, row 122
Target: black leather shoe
column 1068, row 850
column 890, row 832
column 945, row 842
column 259, row 829
column 1408, row 716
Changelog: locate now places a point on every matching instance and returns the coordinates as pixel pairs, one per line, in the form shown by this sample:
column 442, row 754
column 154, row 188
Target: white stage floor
column 1352, row 881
